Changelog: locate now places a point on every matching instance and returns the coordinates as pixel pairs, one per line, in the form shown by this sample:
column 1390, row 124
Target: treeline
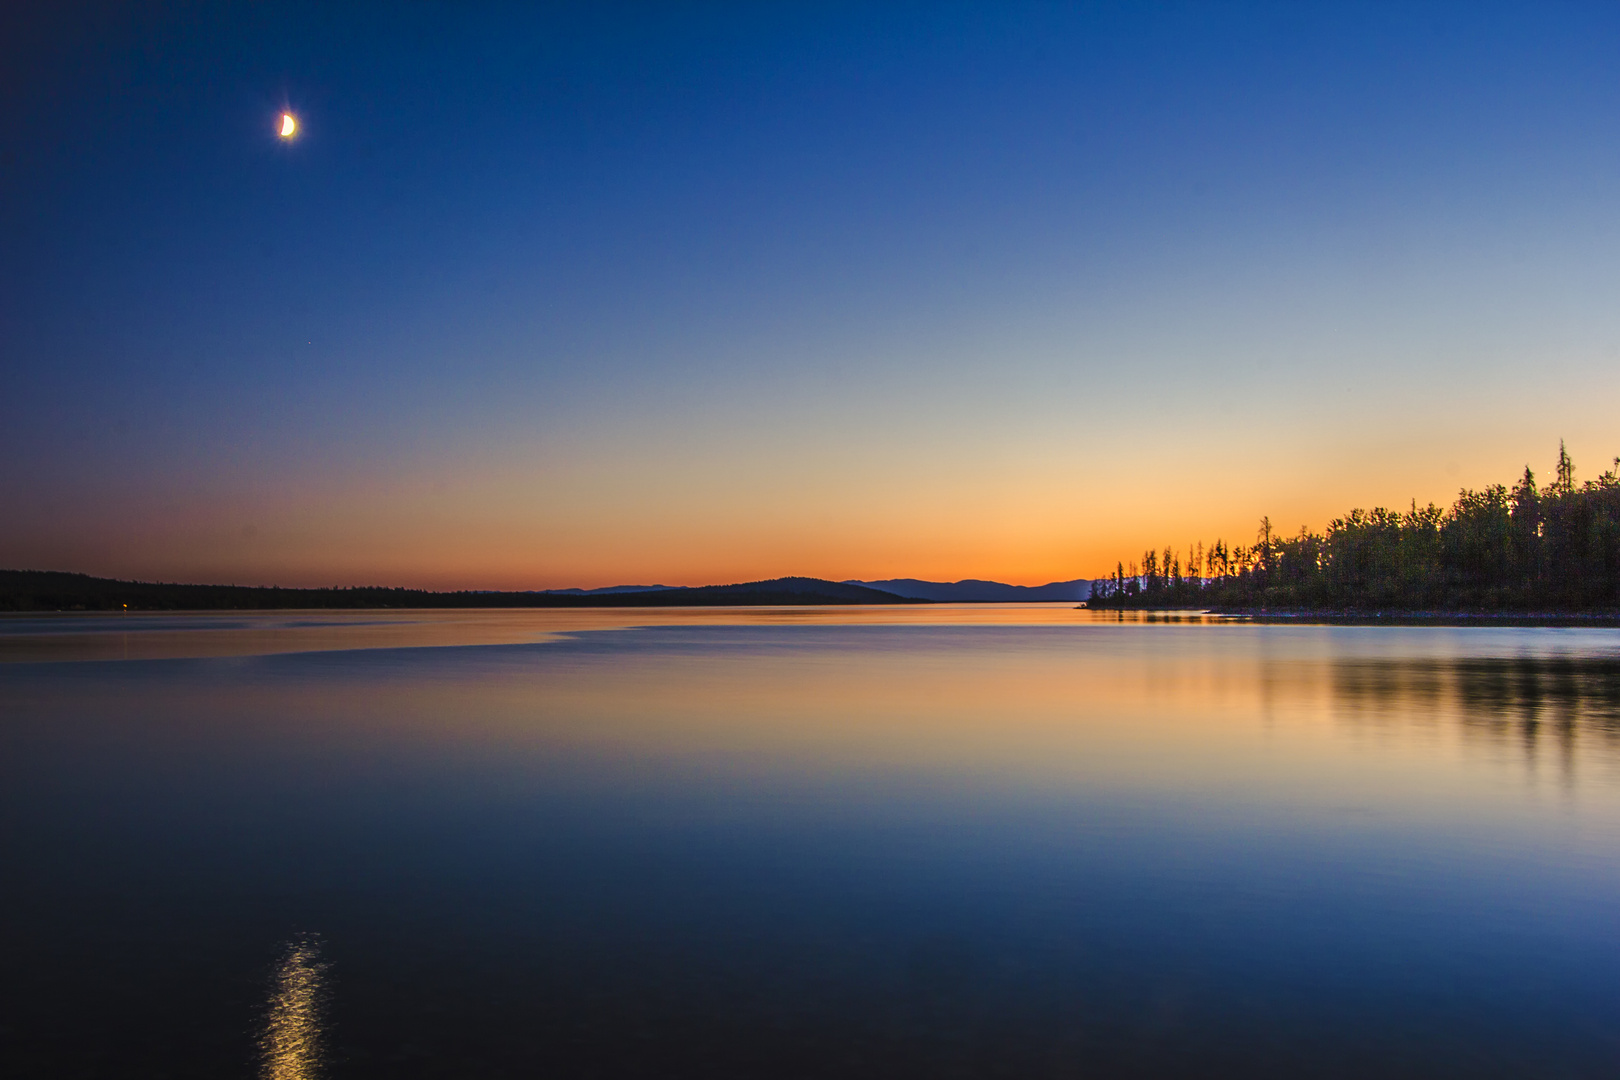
column 1554, row 549
column 45, row 590
column 41, row 590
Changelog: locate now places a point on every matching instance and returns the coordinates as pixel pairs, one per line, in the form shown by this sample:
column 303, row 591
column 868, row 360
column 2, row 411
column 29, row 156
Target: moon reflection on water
column 290, row 1045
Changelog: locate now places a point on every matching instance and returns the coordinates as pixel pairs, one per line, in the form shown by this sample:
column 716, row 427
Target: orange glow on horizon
column 645, row 514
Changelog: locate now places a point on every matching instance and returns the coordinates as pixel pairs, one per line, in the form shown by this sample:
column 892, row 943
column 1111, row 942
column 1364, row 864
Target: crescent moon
column 288, row 125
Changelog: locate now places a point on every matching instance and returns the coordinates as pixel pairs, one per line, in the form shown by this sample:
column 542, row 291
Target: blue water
column 1027, row 847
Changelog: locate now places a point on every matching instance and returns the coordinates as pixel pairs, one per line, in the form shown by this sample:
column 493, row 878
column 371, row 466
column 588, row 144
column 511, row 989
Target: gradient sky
column 593, row 294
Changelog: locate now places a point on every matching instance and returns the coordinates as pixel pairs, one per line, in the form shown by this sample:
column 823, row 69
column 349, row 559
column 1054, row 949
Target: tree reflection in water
column 1531, row 700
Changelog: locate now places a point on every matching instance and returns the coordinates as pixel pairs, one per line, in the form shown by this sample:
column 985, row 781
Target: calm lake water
column 942, row 841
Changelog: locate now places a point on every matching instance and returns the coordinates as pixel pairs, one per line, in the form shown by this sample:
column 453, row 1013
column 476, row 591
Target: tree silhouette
column 1552, row 549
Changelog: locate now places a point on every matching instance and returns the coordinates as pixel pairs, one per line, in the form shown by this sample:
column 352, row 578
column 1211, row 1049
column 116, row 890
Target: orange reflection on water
column 1010, row 696
column 290, row 1045
column 59, row 637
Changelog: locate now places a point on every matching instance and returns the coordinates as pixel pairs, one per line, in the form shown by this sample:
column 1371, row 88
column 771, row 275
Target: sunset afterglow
column 935, row 296
column 764, row 540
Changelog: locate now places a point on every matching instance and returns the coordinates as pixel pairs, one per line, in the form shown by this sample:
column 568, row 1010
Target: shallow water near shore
column 967, row 840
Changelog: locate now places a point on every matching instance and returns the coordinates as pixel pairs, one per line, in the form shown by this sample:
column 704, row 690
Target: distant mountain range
column 973, row 591
column 788, row 590
column 967, row 591
column 609, row 590
column 35, row 590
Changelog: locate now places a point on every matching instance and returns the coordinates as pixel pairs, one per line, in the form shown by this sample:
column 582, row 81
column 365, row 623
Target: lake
column 931, row 841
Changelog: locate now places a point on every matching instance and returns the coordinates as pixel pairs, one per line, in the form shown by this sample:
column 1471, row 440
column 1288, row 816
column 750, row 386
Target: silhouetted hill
column 973, row 591
column 42, row 590
column 788, row 590
column 608, row 589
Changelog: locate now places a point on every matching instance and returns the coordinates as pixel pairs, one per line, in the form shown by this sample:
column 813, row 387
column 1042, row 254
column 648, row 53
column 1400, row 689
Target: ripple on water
column 290, row 1045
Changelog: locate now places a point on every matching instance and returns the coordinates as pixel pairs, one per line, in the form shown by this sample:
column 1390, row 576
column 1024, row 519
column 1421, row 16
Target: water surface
column 941, row 841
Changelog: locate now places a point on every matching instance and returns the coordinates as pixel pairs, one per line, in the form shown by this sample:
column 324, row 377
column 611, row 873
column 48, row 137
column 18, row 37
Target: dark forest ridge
column 974, row 591
column 1554, row 549
column 966, row 591
column 43, row 590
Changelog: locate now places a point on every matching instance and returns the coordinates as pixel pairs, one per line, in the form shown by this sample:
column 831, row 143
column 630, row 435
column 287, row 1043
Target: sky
column 582, row 295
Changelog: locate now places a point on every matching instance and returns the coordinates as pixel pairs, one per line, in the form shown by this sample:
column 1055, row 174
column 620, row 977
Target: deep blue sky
column 586, row 294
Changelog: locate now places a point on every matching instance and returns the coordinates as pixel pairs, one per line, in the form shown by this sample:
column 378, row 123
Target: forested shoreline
column 43, row 590
column 1551, row 549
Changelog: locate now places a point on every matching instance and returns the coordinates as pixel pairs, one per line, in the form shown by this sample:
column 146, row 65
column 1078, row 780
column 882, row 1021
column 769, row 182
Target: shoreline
column 1397, row 618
